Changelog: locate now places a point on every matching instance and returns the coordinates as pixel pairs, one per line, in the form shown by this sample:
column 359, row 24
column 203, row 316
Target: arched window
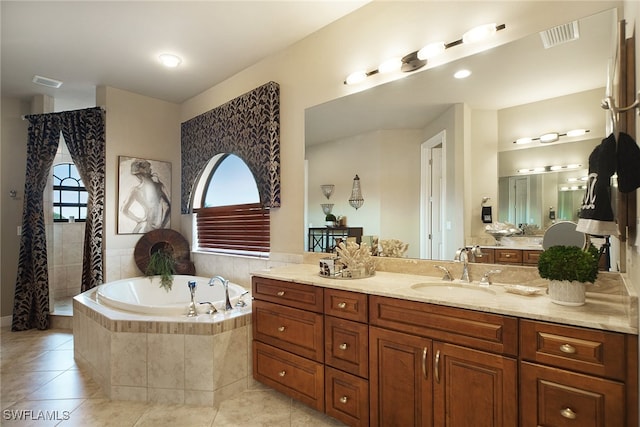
column 69, row 194
column 229, row 215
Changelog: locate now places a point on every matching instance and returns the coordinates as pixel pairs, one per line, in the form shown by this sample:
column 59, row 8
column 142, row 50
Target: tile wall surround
column 68, row 241
column 165, row 360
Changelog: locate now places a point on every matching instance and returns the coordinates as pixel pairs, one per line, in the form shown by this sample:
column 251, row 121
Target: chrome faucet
column 192, row 305
column 447, row 274
column 486, row 278
column 462, row 255
column 225, row 283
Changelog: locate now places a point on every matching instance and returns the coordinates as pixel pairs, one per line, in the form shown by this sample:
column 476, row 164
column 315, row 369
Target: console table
column 323, row 239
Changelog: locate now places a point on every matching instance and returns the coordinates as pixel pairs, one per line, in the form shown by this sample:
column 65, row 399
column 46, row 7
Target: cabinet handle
column 437, row 370
column 568, row 413
column 567, row 348
column 424, row 362
column 507, row 255
column 282, row 373
column 343, row 346
column 343, row 399
column 281, row 328
column 280, row 293
column 342, row 304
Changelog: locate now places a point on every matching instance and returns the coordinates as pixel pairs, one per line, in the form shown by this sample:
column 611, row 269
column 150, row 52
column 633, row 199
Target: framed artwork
column 144, row 195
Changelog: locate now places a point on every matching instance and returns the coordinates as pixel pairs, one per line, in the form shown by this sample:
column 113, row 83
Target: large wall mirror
column 465, row 130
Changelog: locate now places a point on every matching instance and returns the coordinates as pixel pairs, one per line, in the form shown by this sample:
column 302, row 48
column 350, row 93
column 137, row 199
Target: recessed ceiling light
column 170, row 60
column 462, row 74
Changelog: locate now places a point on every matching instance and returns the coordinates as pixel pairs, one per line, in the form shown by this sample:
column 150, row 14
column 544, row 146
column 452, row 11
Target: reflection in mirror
column 427, row 148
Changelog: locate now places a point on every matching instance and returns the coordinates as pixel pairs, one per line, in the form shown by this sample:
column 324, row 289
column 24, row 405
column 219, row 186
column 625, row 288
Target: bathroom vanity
column 404, row 349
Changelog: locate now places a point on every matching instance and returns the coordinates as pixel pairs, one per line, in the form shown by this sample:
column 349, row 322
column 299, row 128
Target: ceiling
column 86, row 44
column 513, row 74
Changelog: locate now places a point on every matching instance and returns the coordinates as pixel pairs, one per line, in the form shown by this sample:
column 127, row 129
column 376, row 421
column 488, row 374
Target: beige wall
column 136, row 126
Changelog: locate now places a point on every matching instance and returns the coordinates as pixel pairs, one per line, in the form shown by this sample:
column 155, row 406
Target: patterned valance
column 247, row 126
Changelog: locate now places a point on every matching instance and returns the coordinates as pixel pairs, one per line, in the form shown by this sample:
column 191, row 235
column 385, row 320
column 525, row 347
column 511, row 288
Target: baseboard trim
column 6, row 321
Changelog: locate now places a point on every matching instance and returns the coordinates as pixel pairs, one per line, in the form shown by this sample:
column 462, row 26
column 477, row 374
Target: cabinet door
column 473, row 388
column 554, row 397
column 400, row 379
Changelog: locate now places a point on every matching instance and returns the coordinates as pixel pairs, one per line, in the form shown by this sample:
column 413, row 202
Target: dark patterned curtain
column 31, row 300
column 83, row 131
column 84, row 134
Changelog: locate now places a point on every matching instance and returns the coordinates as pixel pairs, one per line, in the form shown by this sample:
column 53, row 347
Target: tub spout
column 225, row 283
column 192, row 305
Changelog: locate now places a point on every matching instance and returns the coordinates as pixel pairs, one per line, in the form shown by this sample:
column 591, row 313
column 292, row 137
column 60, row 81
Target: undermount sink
column 451, row 288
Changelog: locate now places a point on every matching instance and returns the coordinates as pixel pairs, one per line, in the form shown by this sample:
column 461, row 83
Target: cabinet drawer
column 291, row 294
column 591, row 351
column 554, row 397
column 291, row 329
column 508, row 256
column 345, row 304
column 484, row 331
column 295, row 376
column 347, row 346
column 346, row 397
column 488, row 256
column 530, row 257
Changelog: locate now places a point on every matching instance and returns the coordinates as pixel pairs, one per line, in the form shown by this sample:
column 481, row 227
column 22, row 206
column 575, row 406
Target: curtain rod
column 24, row 116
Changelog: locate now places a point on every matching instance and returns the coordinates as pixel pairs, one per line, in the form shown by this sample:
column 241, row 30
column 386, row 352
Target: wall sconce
column 551, row 136
column 327, row 190
column 356, row 199
column 418, row 59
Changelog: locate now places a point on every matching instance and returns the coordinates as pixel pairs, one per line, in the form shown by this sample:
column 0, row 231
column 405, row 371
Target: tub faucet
column 225, row 283
column 192, row 305
column 462, row 255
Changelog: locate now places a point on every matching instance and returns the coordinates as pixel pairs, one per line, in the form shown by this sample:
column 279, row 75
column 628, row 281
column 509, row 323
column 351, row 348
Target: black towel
column 628, row 163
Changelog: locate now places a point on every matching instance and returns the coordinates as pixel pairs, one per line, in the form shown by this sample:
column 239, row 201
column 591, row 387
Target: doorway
column 432, row 191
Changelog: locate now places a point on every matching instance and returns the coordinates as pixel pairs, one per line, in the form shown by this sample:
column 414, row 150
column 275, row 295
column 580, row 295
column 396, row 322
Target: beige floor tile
column 71, row 384
column 39, row 413
column 53, row 360
column 176, row 415
column 20, row 385
column 105, row 413
column 304, row 416
column 255, row 408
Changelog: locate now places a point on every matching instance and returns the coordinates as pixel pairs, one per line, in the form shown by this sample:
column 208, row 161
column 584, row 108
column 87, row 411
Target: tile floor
column 40, row 385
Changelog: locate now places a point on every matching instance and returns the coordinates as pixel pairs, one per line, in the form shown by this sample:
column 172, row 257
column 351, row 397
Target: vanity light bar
column 418, row 59
column 541, row 169
column 551, row 136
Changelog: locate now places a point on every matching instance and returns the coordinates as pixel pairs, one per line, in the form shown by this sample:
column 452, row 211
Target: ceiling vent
column 560, row 34
column 45, row 81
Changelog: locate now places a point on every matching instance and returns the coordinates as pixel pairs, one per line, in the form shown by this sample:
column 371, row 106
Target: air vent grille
column 45, row 81
column 560, row 34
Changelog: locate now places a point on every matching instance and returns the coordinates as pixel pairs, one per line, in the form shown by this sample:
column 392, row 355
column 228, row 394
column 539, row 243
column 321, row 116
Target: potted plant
column 330, row 220
column 569, row 269
column 162, row 263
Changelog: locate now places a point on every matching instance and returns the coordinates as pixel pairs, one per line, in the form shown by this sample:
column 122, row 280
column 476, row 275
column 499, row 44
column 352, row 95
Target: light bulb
column 390, row 65
column 431, row 50
column 356, row 77
column 479, row 33
column 549, row 137
column 169, row 60
column 525, row 140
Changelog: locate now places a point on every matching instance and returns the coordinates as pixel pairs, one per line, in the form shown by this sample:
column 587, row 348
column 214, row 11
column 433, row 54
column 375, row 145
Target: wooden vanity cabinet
column 434, row 365
column 288, row 339
column 346, row 356
column 571, row 376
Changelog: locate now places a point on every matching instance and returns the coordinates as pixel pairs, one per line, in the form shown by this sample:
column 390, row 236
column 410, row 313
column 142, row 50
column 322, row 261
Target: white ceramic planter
column 564, row 292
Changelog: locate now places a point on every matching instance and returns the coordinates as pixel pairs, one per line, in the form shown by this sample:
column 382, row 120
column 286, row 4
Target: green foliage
column 330, row 217
column 161, row 263
column 569, row 263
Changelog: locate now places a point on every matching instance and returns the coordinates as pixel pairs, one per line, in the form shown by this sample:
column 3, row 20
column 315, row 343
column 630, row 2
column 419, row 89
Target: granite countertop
column 606, row 311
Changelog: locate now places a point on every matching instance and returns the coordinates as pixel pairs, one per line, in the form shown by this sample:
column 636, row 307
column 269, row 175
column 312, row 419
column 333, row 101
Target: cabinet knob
column 342, row 304
column 568, row 413
column 281, row 328
column 343, row 399
column 280, row 293
column 567, row 348
column 282, row 373
column 507, row 255
column 343, row 346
